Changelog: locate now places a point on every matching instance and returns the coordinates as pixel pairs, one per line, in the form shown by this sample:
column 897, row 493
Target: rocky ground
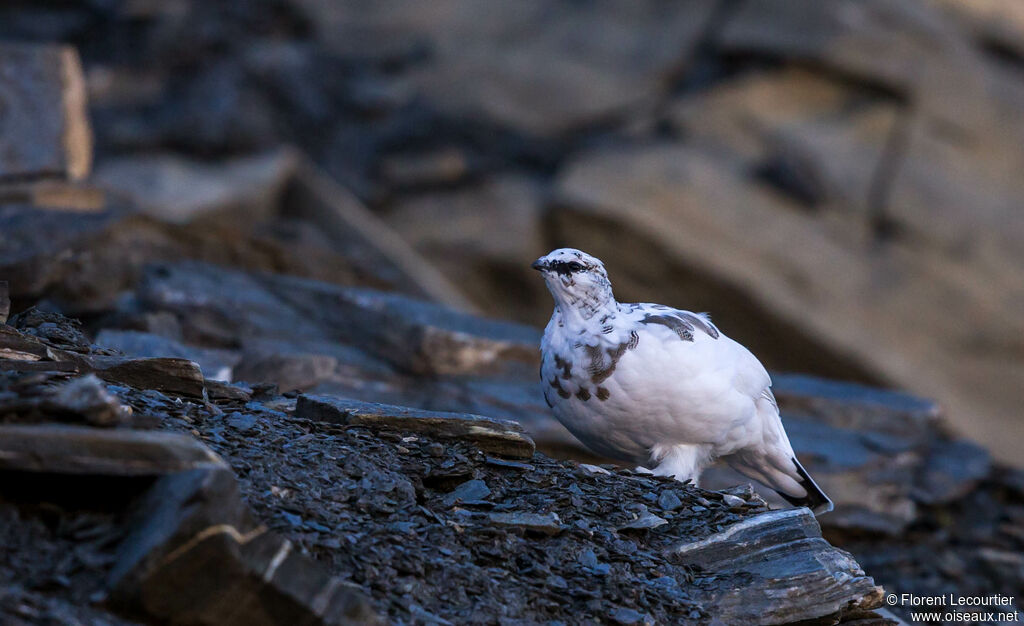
column 418, row 516
column 421, row 516
column 218, row 203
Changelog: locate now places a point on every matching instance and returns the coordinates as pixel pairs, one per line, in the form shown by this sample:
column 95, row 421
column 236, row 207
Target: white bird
column 660, row 387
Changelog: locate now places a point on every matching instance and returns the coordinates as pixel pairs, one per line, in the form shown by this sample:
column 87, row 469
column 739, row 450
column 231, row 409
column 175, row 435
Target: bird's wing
column 747, row 374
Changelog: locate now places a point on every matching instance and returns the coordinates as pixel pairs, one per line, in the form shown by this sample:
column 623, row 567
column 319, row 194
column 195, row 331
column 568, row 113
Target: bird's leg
column 681, row 461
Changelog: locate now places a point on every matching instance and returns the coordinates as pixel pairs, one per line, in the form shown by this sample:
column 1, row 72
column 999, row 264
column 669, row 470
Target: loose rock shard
column 215, row 364
column 547, row 523
column 178, row 376
column 86, row 399
column 497, row 436
column 468, row 491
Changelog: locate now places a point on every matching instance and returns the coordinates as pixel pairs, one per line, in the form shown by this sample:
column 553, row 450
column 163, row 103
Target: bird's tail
column 815, row 500
column 786, row 476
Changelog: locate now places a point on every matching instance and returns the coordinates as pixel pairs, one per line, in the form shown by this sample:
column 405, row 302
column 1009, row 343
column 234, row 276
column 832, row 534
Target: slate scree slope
column 659, row 387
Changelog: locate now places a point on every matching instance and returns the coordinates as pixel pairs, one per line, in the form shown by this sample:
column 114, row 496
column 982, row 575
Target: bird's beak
column 539, row 265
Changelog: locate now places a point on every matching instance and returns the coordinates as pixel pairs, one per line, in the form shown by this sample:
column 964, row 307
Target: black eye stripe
column 567, row 267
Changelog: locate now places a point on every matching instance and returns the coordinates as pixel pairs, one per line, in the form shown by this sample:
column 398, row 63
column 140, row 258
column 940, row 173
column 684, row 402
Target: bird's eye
column 574, row 266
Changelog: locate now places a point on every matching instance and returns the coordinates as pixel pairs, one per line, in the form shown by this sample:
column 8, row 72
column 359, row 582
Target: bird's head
column 576, row 280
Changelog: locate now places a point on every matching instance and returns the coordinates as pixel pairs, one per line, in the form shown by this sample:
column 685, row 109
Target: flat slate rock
column 546, row 523
column 103, row 452
column 196, row 554
column 177, row 376
column 231, row 307
column 492, row 435
column 850, row 405
column 216, row 364
column 796, row 575
column 20, row 350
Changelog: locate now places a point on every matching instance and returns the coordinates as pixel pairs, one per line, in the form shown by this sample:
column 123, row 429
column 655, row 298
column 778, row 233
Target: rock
column 416, row 336
column 217, row 390
column 83, row 262
column 995, row 24
column 857, row 407
column 42, row 94
column 440, row 167
column 57, row 331
column 588, row 559
column 178, row 190
column 742, row 114
column 5, row 301
column 82, row 450
column 17, row 346
column 629, row 617
column 951, row 471
column 288, row 372
column 654, row 198
column 812, row 137
column 190, row 520
column 21, row 350
column 241, row 421
column 593, row 469
column 669, row 501
column 547, row 524
column 480, row 236
column 55, row 195
column 809, row 579
column 470, row 490
column 560, row 67
column 87, row 400
column 644, row 521
column 177, row 376
column 734, row 502
column 365, row 238
column 215, row 364
column 860, row 40
column 497, row 436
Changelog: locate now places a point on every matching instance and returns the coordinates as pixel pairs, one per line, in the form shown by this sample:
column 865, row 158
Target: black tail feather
column 815, row 500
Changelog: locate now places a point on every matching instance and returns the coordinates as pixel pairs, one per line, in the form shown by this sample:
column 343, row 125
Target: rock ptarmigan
column 660, row 387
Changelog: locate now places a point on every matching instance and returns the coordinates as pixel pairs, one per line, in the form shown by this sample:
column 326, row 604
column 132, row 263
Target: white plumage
column 660, row 387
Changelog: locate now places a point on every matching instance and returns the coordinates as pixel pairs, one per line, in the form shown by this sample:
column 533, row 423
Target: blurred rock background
column 836, row 181
column 344, row 197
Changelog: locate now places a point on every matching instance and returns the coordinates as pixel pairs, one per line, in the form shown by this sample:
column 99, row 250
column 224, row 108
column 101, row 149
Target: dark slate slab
column 230, row 307
column 197, row 555
column 793, row 574
column 491, row 435
column 850, row 405
column 93, row 451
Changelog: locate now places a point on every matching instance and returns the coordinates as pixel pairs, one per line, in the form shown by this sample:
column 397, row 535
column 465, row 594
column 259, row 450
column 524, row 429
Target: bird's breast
column 642, row 387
